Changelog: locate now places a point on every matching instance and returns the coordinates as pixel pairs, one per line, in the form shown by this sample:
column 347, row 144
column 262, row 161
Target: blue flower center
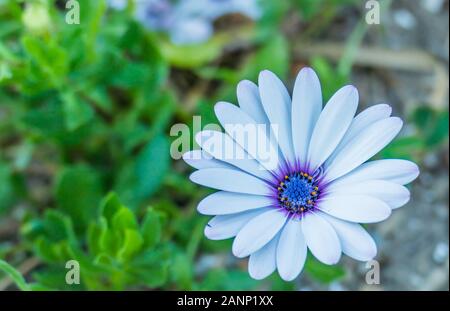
column 298, row 192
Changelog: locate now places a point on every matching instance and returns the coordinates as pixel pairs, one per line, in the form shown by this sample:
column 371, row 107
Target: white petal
column 332, row 124
column 250, row 102
column 355, row 208
column 222, row 203
column 321, row 239
column 248, row 134
column 291, row 251
column 199, row 159
column 364, row 146
column 230, row 180
column 277, row 105
column 394, row 170
column 263, row 262
column 258, row 232
column 364, row 119
column 393, row 194
column 223, row 148
column 227, row 226
column 355, row 241
column 306, row 108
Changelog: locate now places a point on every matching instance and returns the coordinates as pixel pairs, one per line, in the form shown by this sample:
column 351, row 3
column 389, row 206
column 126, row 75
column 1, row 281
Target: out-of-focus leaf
column 7, row 193
column 78, row 194
column 432, row 125
column 330, row 79
column 131, row 245
column 321, row 272
column 182, row 271
column 233, row 279
column 408, row 148
column 190, row 56
column 151, row 228
column 76, row 111
column 139, row 180
column 51, row 58
column 151, row 267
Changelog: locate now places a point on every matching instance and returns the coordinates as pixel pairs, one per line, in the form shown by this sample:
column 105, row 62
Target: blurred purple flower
column 187, row 21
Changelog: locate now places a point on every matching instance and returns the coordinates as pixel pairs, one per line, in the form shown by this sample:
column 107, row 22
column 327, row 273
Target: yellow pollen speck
column 316, row 188
column 313, row 193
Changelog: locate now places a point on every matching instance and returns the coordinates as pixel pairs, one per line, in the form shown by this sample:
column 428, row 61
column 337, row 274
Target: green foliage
column 117, row 251
column 7, row 191
column 321, row 272
column 85, row 112
column 431, row 127
column 76, row 192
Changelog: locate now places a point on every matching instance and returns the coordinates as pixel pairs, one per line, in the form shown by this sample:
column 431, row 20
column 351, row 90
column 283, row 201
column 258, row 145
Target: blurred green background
column 85, row 117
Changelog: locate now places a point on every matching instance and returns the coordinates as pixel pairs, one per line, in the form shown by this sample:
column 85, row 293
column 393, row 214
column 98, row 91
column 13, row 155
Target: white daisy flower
column 321, row 188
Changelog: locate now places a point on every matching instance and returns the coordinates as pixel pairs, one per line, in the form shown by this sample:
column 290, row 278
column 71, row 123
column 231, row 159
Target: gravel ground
column 413, row 243
column 413, row 249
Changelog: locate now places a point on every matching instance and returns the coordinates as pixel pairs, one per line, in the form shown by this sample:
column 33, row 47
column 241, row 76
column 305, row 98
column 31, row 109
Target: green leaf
column 432, row 125
column 151, row 267
column 51, row 58
column 221, row 279
column 182, row 272
column 47, row 120
column 7, row 192
column 190, row 56
column 124, row 219
column 93, row 233
column 133, row 75
column 15, row 275
column 323, row 273
column 76, row 111
column 331, row 80
column 58, row 227
column 131, row 245
column 309, row 8
column 408, row 148
column 151, row 228
column 151, row 166
column 78, row 194
column 109, row 206
column 110, row 240
column 439, row 132
column 139, row 180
